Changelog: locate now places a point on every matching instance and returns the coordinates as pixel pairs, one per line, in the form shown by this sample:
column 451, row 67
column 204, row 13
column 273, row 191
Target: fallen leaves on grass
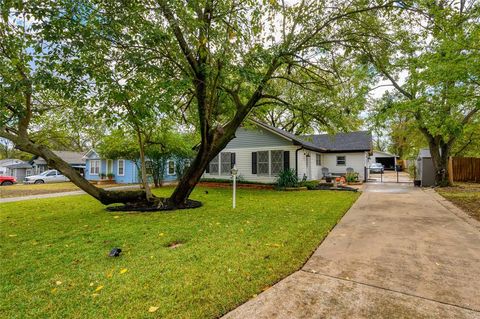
column 98, row 288
column 153, row 309
column 124, row 270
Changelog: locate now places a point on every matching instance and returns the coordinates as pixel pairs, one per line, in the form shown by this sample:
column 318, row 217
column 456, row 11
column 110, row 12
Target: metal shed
column 425, row 172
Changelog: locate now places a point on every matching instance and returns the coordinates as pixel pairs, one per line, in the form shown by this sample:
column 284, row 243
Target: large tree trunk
column 104, row 196
column 440, row 152
column 143, row 169
column 214, row 143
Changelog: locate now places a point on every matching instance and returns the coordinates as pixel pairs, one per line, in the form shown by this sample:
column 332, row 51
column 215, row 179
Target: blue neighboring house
column 125, row 171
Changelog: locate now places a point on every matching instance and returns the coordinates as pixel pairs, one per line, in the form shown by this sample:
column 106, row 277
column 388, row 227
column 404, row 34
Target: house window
column 319, row 159
column 94, row 167
column 121, row 167
column 277, row 162
column 341, row 161
column 226, row 163
column 262, row 163
column 171, row 168
column 214, row 165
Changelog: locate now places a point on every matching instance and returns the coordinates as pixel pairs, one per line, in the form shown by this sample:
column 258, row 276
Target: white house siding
column 243, row 159
column 248, row 141
column 356, row 160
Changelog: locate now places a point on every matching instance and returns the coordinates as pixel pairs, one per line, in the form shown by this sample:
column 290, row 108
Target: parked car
column 7, row 180
column 50, row 176
column 376, row 168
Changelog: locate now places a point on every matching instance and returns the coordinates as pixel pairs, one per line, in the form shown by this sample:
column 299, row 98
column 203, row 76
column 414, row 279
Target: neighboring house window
column 341, row 161
column 171, row 168
column 121, row 167
column 277, row 162
column 94, row 167
column 226, row 163
column 214, row 165
column 262, row 163
column 319, row 160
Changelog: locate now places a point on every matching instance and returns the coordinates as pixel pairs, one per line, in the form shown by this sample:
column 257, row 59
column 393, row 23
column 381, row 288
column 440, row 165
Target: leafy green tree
column 209, row 63
column 432, row 61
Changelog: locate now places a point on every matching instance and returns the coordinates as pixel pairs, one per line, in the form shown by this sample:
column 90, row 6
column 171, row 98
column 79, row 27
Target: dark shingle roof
column 67, row 156
column 19, row 165
column 343, row 142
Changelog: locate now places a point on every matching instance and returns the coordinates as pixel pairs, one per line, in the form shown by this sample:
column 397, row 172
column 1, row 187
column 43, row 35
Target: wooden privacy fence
column 465, row 169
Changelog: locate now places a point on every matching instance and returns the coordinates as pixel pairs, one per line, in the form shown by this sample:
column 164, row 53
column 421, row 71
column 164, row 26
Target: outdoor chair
column 350, row 170
column 325, row 173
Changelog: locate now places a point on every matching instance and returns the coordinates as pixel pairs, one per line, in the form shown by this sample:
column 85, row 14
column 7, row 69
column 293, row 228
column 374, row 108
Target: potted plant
column 110, row 176
column 102, row 175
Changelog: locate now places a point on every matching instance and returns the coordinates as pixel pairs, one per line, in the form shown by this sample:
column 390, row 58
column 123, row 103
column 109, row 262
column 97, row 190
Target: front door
column 309, row 168
column 109, row 166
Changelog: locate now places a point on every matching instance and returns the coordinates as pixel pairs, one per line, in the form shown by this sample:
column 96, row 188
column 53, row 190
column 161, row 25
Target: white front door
column 309, row 167
column 109, row 166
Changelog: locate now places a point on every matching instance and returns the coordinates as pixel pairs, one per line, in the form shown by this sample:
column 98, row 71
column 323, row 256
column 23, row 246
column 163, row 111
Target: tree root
column 157, row 204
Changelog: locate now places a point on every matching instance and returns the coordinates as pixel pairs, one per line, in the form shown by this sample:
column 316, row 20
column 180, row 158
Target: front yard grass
column 19, row 190
column 54, row 264
column 465, row 196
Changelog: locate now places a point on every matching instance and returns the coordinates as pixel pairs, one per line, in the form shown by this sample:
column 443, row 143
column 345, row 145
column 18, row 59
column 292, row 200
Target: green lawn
column 54, row 264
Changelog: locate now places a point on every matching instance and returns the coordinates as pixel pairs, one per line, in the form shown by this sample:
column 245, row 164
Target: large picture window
column 277, row 162
column 214, row 165
column 94, row 167
column 263, row 163
column 341, row 161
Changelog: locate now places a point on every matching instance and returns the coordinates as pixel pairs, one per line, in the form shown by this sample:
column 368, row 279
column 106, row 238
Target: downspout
column 296, row 159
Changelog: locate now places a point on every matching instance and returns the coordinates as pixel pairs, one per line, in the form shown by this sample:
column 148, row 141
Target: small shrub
column 351, row 177
column 310, row 184
column 110, row 175
column 103, row 176
column 287, row 178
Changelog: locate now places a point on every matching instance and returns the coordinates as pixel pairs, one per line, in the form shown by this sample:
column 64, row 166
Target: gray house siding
column 252, row 137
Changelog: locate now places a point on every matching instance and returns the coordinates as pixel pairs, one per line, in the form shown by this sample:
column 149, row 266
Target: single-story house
column 5, row 162
column 75, row 159
column 262, row 151
column 424, row 171
column 386, row 159
column 125, row 171
column 19, row 170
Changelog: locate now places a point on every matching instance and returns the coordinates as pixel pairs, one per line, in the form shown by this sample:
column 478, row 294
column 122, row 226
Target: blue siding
column 130, row 170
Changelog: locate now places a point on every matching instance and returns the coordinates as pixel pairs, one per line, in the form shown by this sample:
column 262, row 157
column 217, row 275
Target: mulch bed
column 159, row 204
column 239, row 185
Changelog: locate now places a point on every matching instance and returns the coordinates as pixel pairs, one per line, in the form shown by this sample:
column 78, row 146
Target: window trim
column 174, row 168
column 118, row 167
column 98, row 164
column 318, row 159
column 344, row 160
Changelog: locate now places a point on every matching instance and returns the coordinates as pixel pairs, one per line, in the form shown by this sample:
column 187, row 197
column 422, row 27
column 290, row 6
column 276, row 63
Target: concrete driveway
column 397, row 253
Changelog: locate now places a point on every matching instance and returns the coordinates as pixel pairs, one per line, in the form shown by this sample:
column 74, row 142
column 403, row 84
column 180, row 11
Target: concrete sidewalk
column 60, row 194
column 397, row 253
